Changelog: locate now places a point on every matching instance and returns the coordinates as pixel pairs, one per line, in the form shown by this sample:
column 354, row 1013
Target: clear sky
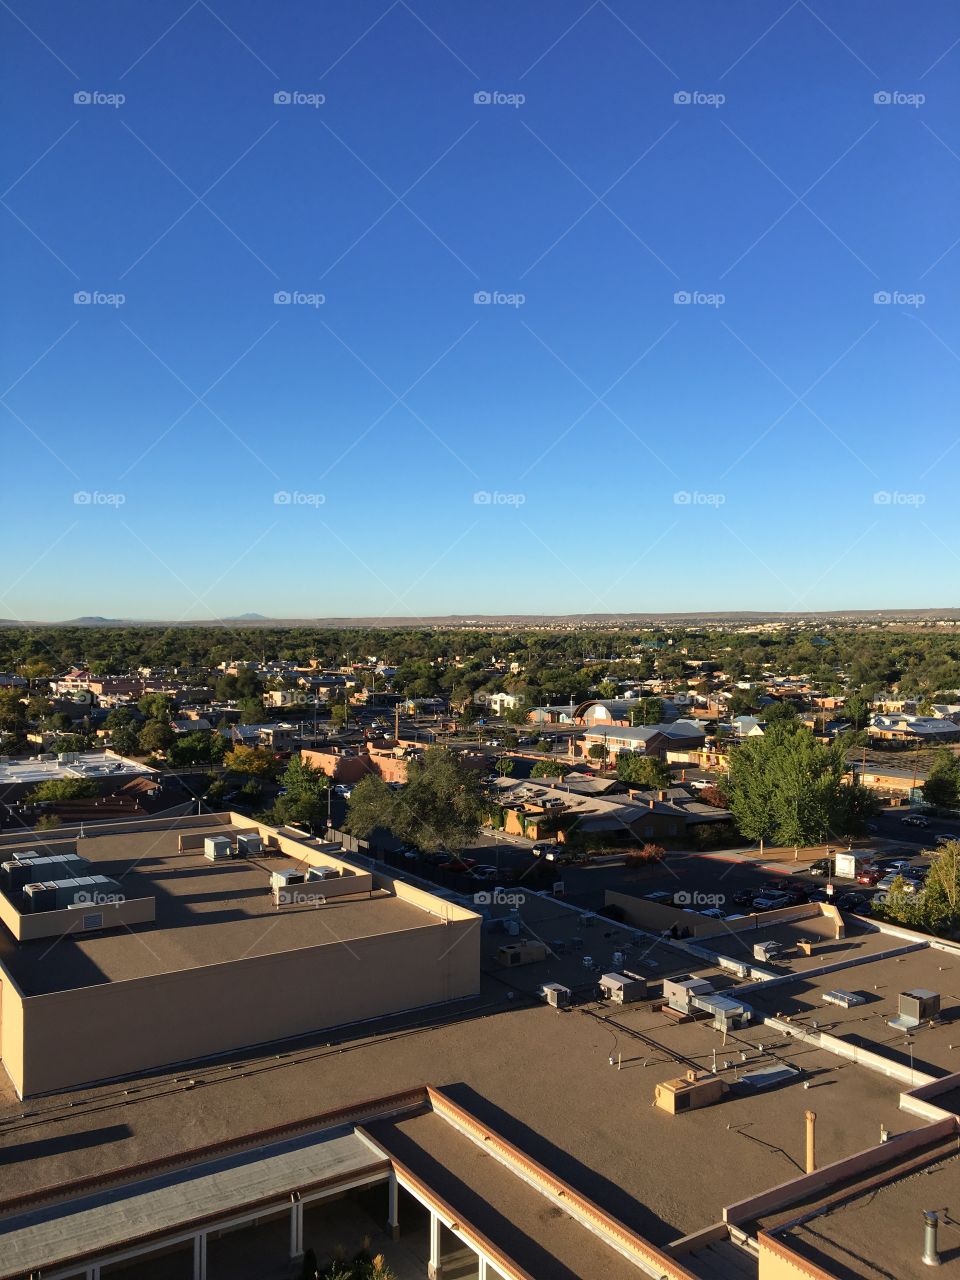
column 780, row 440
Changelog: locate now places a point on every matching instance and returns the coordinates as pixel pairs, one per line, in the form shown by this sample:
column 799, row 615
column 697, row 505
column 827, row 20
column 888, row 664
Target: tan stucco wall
column 115, row 1028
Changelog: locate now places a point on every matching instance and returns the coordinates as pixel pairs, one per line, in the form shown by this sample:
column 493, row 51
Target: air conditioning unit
column 916, row 1007
column 215, row 848
column 249, row 845
column 557, row 995
column 281, row 879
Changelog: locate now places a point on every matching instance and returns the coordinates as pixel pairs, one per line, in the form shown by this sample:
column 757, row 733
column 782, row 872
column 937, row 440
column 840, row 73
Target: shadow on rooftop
column 589, row 1182
column 61, row 1144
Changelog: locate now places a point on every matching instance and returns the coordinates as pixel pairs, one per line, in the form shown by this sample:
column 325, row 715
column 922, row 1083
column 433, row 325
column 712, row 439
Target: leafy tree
column 12, row 710
column 442, row 804
column 125, row 740
column 339, row 714
column 255, row 762
column 743, row 703
column 714, row 795
column 856, row 709
column 200, row 747
column 155, row 735
column 156, row 706
column 504, row 766
column 778, row 712
column 306, row 798
column 788, row 787
column 942, row 787
column 549, row 769
column 647, row 711
column 120, row 717
column 599, row 753
column 251, row 711
column 607, row 690
column 516, row 715
column 642, row 771
column 48, row 822
column 56, row 790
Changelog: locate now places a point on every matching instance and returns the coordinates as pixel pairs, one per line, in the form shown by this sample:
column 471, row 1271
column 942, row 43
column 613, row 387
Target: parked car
column 483, row 873
column 898, row 864
column 771, row 901
column 909, row 886
column 714, row 913
column 525, row 742
column 818, row 895
column 853, row 902
column 549, row 850
column 869, row 875
column 461, row 865
column 659, row 895
column 342, row 789
column 915, row 820
column 409, row 851
column 948, row 837
column 822, row 867
column 743, row 897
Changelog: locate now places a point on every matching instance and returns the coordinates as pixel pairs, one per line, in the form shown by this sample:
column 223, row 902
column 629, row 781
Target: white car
column 482, row 873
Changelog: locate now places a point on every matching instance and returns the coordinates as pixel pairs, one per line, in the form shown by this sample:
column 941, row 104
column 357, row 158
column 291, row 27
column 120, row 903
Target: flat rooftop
column 206, row 913
column 879, row 1234
column 858, row 944
column 530, row 1228
column 540, row 1077
column 934, row 1050
column 86, row 764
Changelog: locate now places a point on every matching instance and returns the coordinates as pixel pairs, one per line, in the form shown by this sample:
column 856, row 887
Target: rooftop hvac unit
column 916, row 1007
column 322, row 873
column 556, row 995
column 845, row 999
column 248, row 845
column 766, row 951
column 40, row 897
column 216, row 848
column 280, row 879
column 620, row 989
column 679, row 992
column 63, row 867
column 737, row 967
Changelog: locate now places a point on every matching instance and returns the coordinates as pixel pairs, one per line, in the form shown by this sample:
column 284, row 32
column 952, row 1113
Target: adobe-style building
column 129, row 946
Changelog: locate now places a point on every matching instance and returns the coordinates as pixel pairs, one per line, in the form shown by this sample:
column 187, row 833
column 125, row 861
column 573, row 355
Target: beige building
column 185, row 950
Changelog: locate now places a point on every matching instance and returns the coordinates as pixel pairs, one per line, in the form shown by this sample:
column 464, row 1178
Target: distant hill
column 559, row 621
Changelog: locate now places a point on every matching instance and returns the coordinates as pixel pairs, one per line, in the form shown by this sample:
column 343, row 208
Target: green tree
column 339, row 714
column 516, row 715
column 251, row 711
column 442, row 805
column 856, row 709
column 642, row 771
column 155, row 706
column 155, row 736
column 306, row 798
column 200, row 747
column 57, row 790
column 647, row 711
column 942, row 787
column 124, row 739
column 788, row 787
column 255, row 762
column 504, row 766
column 549, row 769
column 607, row 690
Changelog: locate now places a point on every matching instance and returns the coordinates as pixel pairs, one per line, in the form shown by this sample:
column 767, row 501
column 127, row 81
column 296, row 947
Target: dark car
column 744, row 897
column 822, row 867
column 852, row 901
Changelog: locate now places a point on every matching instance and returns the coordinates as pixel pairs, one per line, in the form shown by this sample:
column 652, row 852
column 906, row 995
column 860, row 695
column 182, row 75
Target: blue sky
column 781, row 440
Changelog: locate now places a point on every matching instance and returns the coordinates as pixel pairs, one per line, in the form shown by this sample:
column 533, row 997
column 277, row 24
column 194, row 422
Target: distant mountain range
column 490, row 621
